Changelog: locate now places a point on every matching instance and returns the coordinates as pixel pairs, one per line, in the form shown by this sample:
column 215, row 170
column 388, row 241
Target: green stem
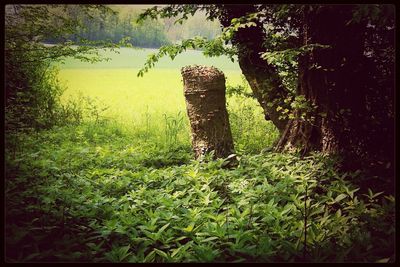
column 305, row 225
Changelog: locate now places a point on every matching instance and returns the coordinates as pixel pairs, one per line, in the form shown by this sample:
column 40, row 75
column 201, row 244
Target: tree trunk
column 204, row 89
column 330, row 79
column 263, row 78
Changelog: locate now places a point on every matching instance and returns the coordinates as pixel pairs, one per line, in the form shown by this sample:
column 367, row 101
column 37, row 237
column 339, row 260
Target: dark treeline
column 114, row 27
column 122, row 24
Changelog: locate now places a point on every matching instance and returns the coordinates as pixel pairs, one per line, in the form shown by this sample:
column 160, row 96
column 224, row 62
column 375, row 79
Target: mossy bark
column 204, row 89
column 333, row 87
column 262, row 77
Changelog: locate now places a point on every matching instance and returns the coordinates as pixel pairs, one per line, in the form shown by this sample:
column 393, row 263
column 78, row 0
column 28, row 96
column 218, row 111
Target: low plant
column 73, row 195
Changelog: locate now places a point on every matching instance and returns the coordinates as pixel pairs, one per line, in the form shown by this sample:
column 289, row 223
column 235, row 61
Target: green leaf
column 324, row 219
column 286, row 211
column 177, row 250
column 123, row 252
column 209, row 239
column 189, row 228
column 338, row 213
column 150, row 257
column 340, row 197
column 271, row 202
column 163, row 228
column 377, row 194
column 384, row 260
column 161, row 253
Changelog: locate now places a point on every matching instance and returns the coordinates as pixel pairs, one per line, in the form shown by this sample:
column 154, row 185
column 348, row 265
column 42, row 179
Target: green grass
column 147, row 105
column 159, row 91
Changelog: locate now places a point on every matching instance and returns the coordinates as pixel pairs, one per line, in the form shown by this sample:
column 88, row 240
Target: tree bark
column 204, row 89
column 263, row 78
column 331, row 80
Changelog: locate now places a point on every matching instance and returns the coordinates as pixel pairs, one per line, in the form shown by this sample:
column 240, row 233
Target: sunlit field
column 152, row 104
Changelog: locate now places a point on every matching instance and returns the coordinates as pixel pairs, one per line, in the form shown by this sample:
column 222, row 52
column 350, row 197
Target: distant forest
column 149, row 34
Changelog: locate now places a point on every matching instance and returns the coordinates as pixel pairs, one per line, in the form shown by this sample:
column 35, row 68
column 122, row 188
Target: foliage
column 122, row 23
column 28, row 26
column 35, row 108
column 286, row 62
column 217, row 46
column 242, row 89
column 93, row 193
column 190, row 28
column 213, row 47
column 114, row 26
column 32, row 88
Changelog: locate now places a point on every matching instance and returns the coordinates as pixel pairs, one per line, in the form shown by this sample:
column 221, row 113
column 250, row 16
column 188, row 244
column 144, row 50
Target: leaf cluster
column 213, row 47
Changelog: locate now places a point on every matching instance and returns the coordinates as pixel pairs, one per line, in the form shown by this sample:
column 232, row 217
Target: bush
column 33, row 96
column 32, row 88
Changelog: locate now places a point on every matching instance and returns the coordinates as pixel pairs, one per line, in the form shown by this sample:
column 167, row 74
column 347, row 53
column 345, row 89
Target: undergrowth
column 94, row 192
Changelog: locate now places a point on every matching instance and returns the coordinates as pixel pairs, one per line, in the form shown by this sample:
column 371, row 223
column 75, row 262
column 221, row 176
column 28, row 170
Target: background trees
column 32, row 90
column 113, row 26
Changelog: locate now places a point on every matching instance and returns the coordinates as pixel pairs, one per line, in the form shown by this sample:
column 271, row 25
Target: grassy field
column 149, row 105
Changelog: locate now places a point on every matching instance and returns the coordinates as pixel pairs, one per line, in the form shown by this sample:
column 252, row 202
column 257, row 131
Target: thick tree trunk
column 265, row 84
column 262, row 77
column 330, row 79
column 204, row 89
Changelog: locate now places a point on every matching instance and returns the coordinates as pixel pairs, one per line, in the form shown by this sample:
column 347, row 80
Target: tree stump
column 204, row 89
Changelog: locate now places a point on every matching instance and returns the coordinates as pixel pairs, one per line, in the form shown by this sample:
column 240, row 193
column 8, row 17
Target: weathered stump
column 204, row 89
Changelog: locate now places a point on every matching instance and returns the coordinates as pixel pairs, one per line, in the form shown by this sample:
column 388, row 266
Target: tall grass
column 151, row 109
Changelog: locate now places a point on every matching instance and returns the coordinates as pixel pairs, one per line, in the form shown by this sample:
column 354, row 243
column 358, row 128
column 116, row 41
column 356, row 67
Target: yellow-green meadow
column 152, row 103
